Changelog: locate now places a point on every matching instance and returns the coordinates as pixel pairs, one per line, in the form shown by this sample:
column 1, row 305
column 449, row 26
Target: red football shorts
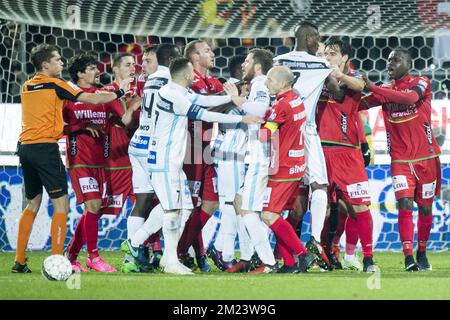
column 118, row 188
column 347, row 175
column 420, row 180
column 280, row 196
column 88, row 183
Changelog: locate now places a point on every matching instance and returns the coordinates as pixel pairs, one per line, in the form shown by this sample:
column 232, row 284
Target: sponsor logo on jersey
column 429, row 190
column 107, row 146
column 296, row 153
column 115, row 201
column 88, row 184
column 358, row 190
column 299, row 116
column 399, row 183
column 73, row 146
column 388, row 141
column 144, row 127
column 152, row 157
column 140, row 142
column 272, row 117
column 297, row 169
column 94, row 116
column 344, row 123
column 194, row 187
column 428, row 132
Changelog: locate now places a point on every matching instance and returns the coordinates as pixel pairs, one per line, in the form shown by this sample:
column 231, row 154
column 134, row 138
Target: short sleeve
column 67, row 90
column 276, row 114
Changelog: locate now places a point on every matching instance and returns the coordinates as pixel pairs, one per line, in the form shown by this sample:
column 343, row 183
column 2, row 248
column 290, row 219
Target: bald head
column 279, row 80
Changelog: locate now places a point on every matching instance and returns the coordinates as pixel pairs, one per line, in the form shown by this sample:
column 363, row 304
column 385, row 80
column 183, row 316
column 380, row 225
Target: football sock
column 287, row 237
column 191, row 230
column 351, row 235
column 319, row 203
column 77, row 240
column 198, row 246
column 58, row 231
column 245, row 244
column 152, row 225
column 365, row 230
column 133, row 225
column 25, row 226
column 324, row 234
column 229, row 227
column 91, row 229
column 424, row 225
column 406, row 230
column 259, row 238
column 288, row 259
column 170, row 234
column 342, row 218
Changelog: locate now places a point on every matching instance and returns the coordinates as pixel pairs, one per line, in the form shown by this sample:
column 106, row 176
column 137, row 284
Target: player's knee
column 61, row 204
column 424, row 210
column 315, row 186
column 210, row 206
column 35, row 203
column 93, row 205
column 405, row 204
column 269, row 217
column 360, row 208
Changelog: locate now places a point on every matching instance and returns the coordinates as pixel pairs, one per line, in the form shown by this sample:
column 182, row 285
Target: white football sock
column 133, row 225
column 208, row 231
column 152, row 225
column 319, row 203
column 229, row 228
column 171, row 225
column 245, row 244
column 258, row 236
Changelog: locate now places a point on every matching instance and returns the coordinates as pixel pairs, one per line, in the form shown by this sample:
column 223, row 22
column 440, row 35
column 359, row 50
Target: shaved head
column 279, row 79
column 307, row 37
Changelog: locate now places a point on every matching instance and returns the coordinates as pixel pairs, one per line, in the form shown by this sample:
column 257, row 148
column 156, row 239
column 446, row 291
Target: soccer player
column 249, row 200
column 310, row 74
column 140, row 225
column 42, row 99
column 118, row 169
column 168, row 147
column 415, row 165
column 85, row 141
column 285, row 127
column 200, row 172
column 337, row 118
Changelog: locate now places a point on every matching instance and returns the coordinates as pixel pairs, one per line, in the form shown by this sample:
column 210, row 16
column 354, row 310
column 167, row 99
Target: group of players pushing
column 268, row 156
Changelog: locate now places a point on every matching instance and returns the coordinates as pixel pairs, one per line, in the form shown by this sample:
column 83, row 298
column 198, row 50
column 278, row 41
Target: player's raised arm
column 105, row 97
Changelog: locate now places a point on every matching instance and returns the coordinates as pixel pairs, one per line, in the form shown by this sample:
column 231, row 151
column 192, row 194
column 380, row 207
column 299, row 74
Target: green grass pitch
column 391, row 283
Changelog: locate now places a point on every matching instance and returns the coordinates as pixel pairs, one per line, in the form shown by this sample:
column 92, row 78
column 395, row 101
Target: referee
column 42, row 100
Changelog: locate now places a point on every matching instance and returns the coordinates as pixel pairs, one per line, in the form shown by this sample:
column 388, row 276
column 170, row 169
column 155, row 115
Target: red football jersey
column 140, row 85
column 119, row 137
column 337, row 121
column 83, row 150
column 288, row 116
column 204, row 85
column 408, row 127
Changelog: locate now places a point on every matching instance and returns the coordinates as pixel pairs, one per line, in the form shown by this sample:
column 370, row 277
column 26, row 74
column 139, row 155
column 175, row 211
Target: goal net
column 373, row 28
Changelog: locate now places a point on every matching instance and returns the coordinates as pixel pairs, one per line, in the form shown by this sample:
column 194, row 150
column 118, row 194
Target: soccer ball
column 57, row 267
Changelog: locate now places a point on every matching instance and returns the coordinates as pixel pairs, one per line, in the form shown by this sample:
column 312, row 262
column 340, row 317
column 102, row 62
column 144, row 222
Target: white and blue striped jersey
column 257, row 104
column 174, row 104
column 310, row 73
column 139, row 144
column 231, row 141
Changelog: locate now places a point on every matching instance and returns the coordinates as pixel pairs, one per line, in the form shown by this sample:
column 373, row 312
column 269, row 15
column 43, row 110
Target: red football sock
column 155, row 242
column 365, row 229
column 406, row 230
column 204, row 217
column 324, row 234
column 77, row 241
column 197, row 245
column 286, row 235
column 91, row 229
column 424, row 225
column 288, row 259
column 342, row 218
column 351, row 235
column 192, row 229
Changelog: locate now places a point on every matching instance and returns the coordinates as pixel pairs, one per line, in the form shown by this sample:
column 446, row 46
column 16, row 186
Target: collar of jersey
column 178, row 87
column 258, row 78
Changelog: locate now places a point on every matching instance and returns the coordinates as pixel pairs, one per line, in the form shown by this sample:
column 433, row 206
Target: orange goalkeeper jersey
column 42, row 100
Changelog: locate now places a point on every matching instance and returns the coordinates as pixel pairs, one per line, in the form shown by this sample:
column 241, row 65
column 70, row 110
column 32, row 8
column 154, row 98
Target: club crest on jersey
column 429, row 190
column 89, row 184
column 358, row 190
column 399, row 183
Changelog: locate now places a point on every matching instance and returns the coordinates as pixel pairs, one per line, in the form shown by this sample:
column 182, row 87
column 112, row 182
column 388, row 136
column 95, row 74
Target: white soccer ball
column 57, row 267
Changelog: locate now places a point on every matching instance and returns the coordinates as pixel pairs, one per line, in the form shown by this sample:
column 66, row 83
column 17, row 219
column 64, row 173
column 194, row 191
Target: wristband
column 119, row 93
